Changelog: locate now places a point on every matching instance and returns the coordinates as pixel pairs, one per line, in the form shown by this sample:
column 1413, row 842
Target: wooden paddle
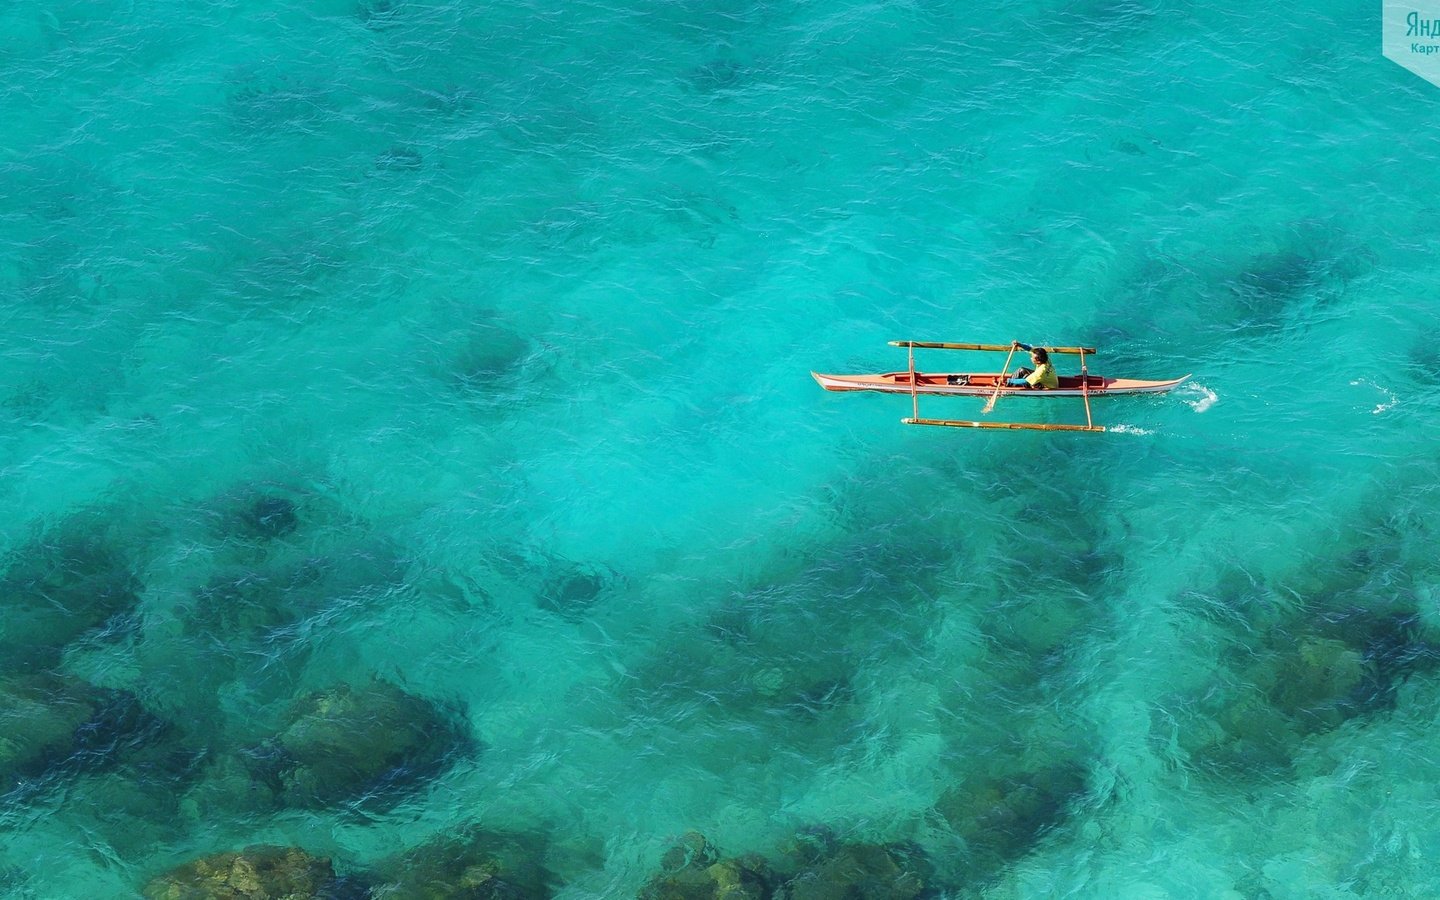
column 990, row 404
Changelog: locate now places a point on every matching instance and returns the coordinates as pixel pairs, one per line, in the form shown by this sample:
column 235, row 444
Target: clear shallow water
column 515, row 308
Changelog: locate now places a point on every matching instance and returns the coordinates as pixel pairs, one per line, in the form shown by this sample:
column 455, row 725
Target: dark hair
column 1041, row 354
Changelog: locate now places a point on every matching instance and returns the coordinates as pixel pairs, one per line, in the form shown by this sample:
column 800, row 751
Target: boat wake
column 1204, row 398
column 1130, row 429
column 1391, row 402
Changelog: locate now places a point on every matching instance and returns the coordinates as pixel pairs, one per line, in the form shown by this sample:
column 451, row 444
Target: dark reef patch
column 349, row 744
column 1327, row 642
column 399, row 159
column 771, row 690
column 486, row 359
column 693, row 869
column 243, row 602
column 252, row 615
column 1001, row 819
column 281, row 273
column 1392, row 645
column 717, row 75
column 54, row 726
column 1310, row 267
column 1422, row 358
column 251, row 874
column 474, row 864
column 572, row 592
column 1271, row 280
column 54, row 590
column 14, row 882
column 226, row 788
column 817, row 864
column 1296, row 682
column 268, row 102
column 267, row 517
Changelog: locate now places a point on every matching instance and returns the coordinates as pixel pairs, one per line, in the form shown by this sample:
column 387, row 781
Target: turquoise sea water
column 463, row 350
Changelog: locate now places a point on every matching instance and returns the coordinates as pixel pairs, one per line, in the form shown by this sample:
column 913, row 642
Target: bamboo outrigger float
column 991, row 385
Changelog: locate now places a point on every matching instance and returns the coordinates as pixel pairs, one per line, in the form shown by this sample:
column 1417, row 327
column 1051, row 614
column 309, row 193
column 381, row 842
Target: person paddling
column 1042, row 376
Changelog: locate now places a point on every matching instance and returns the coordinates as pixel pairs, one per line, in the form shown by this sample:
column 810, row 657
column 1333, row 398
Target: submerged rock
column 727, row 879
column 56, row 590
column 52, row 722
column 135, row 805
column 1392, row 646
column 1317, row 682
column 256, row 873
column 489, row 357
column 1002, row 819
column 1273, row 278
column 693, row 870
column 225, row 786
column 40, row 717
column 574, row 590
column 1341, row 666
column 13, row 882
column 266, row 517
column 343, row 743
column 816, row 866
column 245, row 601
column 860, row 871
column 1313, row 264
column 476, row 865
column 801, row 690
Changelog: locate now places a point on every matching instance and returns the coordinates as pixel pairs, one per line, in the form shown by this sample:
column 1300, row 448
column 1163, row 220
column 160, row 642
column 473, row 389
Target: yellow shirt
column 1043, row 377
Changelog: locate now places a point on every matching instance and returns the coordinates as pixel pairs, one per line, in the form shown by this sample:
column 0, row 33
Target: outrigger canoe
column 983, row 384
column 992, row 386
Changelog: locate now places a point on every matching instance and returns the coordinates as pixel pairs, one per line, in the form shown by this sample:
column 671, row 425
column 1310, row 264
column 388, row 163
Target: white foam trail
column 1204, row 397
column 1379, row 407
column 1130, row 429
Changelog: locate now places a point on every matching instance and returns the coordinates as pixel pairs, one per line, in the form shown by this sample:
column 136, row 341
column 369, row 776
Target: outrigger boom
column 1013, row 426
column 998, row 348
column 992, row 385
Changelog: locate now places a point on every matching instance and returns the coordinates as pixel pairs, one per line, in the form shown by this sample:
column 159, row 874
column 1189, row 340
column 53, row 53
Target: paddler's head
column 1039, row 356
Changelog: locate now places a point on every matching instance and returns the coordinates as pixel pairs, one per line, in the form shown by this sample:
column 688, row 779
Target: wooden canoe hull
column 982, row 384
